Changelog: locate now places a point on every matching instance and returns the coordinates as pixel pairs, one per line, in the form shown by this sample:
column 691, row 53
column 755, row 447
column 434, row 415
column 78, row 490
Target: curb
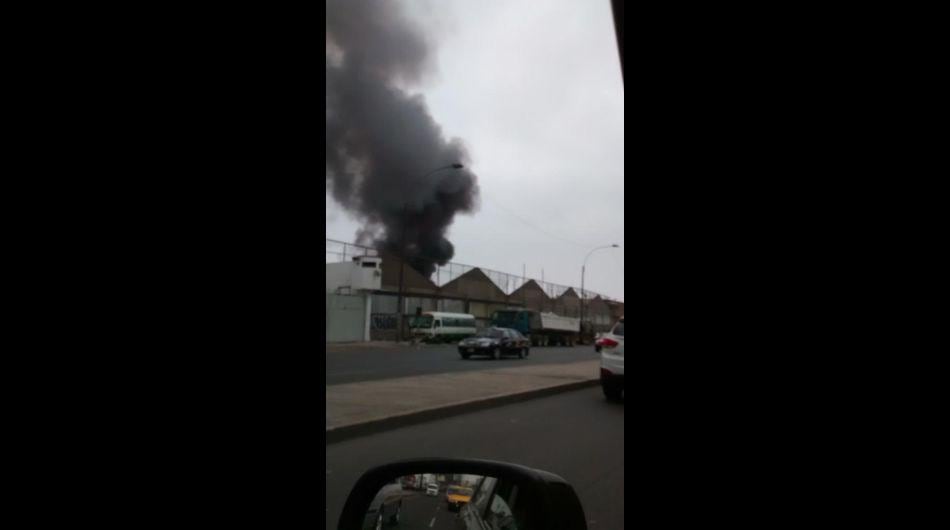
column 360, row 344
column 355, row 430
column 372, row 346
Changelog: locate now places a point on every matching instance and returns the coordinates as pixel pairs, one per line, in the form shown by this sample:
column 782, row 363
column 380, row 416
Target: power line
column 539, row 229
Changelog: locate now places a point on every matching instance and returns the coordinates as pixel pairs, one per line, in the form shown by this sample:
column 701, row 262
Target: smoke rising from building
column 382, row 144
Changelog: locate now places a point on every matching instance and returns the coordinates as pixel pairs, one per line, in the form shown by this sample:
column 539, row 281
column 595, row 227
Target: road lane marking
column 432, row 523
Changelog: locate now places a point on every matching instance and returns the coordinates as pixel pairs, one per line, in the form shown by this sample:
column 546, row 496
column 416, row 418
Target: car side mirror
column 477, row 493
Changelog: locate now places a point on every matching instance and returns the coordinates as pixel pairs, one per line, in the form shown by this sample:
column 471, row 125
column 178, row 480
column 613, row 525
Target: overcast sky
column 534, row 90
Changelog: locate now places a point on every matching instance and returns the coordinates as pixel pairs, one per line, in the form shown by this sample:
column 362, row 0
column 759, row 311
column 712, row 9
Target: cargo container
column 541, row 328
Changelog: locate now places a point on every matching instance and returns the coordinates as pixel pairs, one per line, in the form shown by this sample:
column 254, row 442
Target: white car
column 432, row 489
column 611, row 362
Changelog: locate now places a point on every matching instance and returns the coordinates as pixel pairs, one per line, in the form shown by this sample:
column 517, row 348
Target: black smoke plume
column 382, row 143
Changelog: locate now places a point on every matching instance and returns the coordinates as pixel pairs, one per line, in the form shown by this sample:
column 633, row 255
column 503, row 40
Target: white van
column 434, row 326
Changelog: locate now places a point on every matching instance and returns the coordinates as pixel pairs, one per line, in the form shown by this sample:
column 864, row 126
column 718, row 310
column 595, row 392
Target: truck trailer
column 541, row 328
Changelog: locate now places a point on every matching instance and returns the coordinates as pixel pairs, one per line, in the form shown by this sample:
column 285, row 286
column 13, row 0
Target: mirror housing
column 552, row 502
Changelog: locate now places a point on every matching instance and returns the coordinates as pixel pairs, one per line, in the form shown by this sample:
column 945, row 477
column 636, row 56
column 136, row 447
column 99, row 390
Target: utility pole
column 402, row 248
column 524, row 281
column 402, row 269
column 584, row 266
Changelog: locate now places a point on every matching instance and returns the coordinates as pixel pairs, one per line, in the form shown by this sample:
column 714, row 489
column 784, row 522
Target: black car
column 495, row 342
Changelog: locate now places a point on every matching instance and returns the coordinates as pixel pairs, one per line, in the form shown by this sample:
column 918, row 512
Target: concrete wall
column 345, row 317
column 363, row 273
column 479, row 309
column 449, row 305
column 338, row 275
column 384, row 303
column 384, row 318
column 387, row 303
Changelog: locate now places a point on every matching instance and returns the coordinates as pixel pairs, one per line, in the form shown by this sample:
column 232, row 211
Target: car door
column 521, row 340
column 508, row 341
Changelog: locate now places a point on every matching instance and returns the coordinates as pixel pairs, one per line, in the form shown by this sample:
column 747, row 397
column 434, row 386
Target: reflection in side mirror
column 385, row 510
column 426, row 500
column 456, row 494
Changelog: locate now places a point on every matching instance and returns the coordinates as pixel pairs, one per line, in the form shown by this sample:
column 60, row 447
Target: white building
column 349, row 288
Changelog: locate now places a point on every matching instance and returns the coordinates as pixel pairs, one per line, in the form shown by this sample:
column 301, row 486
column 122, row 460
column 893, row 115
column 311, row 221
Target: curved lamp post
column 583, row 272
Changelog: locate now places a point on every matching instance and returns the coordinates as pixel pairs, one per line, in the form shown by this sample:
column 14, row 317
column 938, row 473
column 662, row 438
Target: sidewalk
column 372, row 345
column 356, row 409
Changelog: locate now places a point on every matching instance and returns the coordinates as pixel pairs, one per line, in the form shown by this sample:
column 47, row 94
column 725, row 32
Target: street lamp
column 450, row 166
column 583, row 272
column 402, row 249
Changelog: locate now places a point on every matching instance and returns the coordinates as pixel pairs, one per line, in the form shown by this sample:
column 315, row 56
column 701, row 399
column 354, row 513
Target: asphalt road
column 422, row 512
column 577, row 435
column 353, row 365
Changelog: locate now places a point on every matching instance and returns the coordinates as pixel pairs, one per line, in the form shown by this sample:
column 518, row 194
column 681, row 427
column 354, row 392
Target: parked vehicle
column 541, row 329
column 457, row 496
column 611, row 362
column 442, row 327
column 495, row 342
column 597, row 342
column 432, row 489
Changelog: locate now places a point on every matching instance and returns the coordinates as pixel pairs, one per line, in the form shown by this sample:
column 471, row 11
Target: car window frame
column 477, row 496
column 613, row 330
column 491, row 517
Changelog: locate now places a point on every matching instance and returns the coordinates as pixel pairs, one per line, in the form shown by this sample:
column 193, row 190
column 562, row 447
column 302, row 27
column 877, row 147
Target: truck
column 541, row 328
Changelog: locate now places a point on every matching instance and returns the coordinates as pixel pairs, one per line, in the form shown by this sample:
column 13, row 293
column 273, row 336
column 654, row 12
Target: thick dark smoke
column 382, row 143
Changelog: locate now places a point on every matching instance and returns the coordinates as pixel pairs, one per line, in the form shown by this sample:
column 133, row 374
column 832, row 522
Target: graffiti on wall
column 383, row 320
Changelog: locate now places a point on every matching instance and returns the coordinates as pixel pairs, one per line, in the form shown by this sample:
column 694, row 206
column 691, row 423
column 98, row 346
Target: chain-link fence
column 338, row 251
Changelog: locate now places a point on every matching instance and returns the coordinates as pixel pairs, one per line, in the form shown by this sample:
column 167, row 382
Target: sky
column 534, row 91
